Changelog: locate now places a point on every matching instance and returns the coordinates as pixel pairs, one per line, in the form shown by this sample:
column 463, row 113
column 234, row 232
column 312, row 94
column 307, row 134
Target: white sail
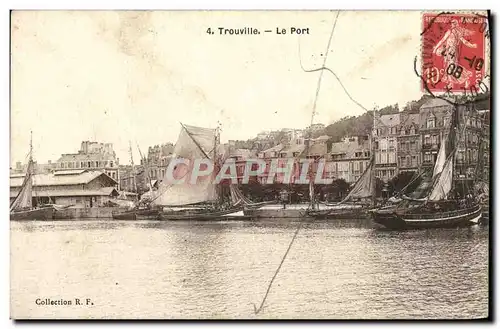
column 440, row 161
column 24, row 198
column 443, row 184
column 193, row 143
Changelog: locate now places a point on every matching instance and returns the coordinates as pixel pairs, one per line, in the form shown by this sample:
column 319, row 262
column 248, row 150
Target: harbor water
column 219, row 270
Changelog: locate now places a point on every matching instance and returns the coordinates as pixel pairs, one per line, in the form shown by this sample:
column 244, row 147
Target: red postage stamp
column 453, row 52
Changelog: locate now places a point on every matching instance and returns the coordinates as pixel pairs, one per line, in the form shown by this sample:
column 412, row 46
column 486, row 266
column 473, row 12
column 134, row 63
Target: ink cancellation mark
column 453, row 52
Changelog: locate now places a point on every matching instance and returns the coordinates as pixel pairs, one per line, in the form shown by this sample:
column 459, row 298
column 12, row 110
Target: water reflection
column 182, row 269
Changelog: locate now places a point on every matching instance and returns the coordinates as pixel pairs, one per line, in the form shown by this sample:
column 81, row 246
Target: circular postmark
column 455, row 55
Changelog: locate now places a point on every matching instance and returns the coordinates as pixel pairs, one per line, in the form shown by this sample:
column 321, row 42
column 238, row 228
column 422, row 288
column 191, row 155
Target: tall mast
column 216, row 144
column 146, row 169
column 372, row 153
column 31, row 146
column 133, row 166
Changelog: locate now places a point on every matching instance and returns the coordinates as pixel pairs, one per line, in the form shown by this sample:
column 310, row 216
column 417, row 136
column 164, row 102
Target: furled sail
column 193, row 143
column 24, row 198
column 443, row 184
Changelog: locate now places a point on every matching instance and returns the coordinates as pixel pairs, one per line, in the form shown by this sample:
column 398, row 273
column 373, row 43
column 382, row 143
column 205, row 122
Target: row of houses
column 409, row 140
column 400, row 142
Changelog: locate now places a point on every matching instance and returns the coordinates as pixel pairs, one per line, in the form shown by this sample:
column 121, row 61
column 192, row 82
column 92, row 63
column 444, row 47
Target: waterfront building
column 385, row 135
column 92, row 156
column 240, row 157
column 472, row 157
column 408, row 141
column 39, row 168
column 77, row 187
column 158, row 158
column 435, row 116
column 348, row 159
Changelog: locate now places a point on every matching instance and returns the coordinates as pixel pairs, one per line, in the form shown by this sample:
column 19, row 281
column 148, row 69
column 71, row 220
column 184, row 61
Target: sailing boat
column 349, row 208
column 142, row 209
column 363, row 189
column 203, row 200
column 22, row 206
column 432, row 204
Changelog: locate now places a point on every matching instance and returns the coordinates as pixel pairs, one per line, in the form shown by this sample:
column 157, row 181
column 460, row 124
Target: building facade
column 385, row 136
column 92, row 156
column 157, row 160
column 409, row 146
column 348, row 159
column 78, row 188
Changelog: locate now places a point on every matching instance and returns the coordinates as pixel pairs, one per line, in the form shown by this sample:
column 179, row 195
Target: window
column 431, row 122
column 427, row 139
column 414, row 160
column 412, row 131
column 408, row 161
column 413, row 146
column 111, row 164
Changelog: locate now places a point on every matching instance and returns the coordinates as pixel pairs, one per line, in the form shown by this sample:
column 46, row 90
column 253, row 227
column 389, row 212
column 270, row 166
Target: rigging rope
column 257, row 310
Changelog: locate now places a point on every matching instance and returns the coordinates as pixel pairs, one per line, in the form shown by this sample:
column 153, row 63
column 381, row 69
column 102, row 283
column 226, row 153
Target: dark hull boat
column 22, row 207
column 346, row 213
column 200, row 215
column 137, row 214
column 362, row 190
column 45, row 213
column 204, row 200
column 440, row 200
column 394, row 220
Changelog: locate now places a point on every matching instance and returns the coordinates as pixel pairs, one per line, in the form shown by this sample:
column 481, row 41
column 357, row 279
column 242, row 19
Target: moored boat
column 439, row 219
column 22, row 207
column 442, row 204
column 203, row 199
column 136, row 214
column 44, row 213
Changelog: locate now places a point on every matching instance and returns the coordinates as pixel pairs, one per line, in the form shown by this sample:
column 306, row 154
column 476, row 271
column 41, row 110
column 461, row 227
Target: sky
column 126, row 76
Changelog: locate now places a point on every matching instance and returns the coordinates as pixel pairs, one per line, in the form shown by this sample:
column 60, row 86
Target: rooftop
column 435, row 102
column 75, row 177
column 390, row 120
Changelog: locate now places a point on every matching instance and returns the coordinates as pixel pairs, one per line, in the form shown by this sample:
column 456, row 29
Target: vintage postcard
column 250, row 164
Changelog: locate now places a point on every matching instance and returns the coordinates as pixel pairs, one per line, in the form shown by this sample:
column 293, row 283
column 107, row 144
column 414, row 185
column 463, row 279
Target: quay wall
column 85, row 213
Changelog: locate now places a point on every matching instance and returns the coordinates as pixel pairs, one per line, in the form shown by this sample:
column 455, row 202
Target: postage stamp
column 453, row 52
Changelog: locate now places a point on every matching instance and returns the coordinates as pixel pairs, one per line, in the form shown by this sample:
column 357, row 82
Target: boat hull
column 137, row 215
column 46, row 213
column 394, row 220
column 339, row 214
column 200, row 216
